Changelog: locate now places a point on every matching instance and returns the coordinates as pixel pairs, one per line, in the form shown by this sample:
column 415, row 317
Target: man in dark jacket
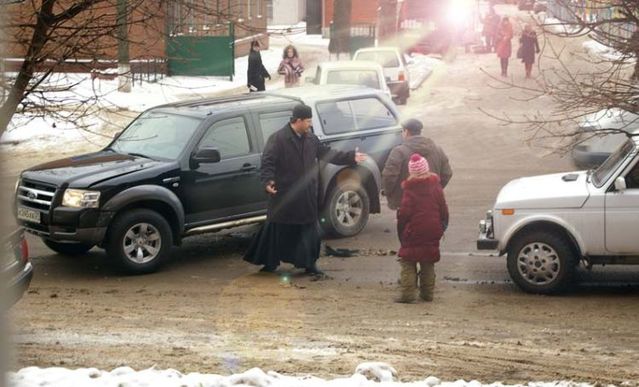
column 396, row 168
column 290, row 174
column 256, row 72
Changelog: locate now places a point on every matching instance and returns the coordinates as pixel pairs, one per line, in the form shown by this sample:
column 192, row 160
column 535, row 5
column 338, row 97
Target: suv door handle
column 248, row 167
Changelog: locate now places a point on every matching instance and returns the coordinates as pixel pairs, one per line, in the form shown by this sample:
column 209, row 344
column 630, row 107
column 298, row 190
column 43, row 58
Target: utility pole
column 124, row 67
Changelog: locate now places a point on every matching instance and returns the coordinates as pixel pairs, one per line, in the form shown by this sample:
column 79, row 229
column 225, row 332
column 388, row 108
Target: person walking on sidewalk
column 291, row 67
column 256, row 73
column 529, row 48
column 290, row 175
column 396, row 169
column 504, row 45
column 421, row 221
column 491, row 24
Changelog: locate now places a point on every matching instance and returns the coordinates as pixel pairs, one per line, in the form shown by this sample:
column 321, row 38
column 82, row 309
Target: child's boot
column 426, row 281
column 407, row 282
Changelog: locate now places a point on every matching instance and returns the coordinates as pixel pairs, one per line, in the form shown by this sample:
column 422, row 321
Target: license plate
column 28, row 215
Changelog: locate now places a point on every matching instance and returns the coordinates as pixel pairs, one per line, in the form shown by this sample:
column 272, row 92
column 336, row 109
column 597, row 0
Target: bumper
column 62, row 224
column 485, row 243
column 19, row 284
column 399, row 89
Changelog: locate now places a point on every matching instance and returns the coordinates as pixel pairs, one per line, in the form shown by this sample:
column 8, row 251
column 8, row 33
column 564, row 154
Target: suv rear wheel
column 541, row 262
column 139, row 240
column 67, row 248
column 346, row 210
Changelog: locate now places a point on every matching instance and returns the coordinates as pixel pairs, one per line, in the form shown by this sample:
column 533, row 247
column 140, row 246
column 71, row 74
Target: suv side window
column 229, row 136
column 371, row 113
column 272, row 122
column 336, row 117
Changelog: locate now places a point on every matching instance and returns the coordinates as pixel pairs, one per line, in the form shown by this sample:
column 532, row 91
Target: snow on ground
column 296, row 34
column 372, row 374
column 557, row 26
column 595, row 48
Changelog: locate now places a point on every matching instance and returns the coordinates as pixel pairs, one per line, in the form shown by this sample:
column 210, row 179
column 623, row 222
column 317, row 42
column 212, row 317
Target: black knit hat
column 414, row 126
column 302, row 112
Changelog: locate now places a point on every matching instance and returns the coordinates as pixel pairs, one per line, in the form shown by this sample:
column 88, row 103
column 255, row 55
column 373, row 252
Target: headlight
column 79, row 198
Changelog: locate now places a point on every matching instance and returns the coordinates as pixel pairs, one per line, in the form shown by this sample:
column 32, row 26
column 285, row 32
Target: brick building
column 155, row 27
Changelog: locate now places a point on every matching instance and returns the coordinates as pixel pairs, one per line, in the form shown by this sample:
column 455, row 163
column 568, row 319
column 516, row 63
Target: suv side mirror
column 620, row 184
column 206, row 155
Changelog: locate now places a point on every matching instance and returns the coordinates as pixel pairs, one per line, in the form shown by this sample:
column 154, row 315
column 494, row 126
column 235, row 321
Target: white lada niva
column 548, row 224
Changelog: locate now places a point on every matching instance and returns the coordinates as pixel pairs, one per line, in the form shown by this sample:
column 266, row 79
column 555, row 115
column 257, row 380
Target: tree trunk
column 124, row 67
column 19, row 88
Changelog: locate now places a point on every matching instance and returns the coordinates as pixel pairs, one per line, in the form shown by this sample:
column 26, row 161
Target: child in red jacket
column 421, row 220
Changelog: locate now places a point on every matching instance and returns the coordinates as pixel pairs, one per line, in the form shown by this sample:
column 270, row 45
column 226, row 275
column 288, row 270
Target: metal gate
column 199, row 44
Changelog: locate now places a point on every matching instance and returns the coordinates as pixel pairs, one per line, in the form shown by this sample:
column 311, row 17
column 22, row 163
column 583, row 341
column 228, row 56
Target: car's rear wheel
column 346, row 210
column 541, row 262
column 67, row 248
column 139, row 241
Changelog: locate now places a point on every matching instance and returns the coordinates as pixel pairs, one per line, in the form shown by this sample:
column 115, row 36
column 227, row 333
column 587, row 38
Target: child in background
column 422, row 219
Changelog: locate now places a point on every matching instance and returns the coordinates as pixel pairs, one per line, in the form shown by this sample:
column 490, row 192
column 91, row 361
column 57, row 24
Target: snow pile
column 373, row 374
column 559, row 27
column 421, row 68
column 45, row 131
column 595, row 48
column 296, row 34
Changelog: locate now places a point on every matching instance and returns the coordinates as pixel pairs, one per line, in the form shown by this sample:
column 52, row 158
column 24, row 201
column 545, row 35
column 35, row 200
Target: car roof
column 349, row 65
column 201, row 108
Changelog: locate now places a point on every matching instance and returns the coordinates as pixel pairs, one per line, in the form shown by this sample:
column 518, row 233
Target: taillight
column 402, row 76
column 24, row 249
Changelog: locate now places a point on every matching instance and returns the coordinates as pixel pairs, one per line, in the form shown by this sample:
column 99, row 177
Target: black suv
column 193, row 167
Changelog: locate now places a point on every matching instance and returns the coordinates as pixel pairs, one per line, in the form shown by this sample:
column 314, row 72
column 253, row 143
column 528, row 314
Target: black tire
column 540, row 262
column 150, row 249
column 343, row 221
column 71, row 249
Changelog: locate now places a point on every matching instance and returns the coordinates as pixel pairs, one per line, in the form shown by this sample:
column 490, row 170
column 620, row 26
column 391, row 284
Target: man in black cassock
column 290, row 174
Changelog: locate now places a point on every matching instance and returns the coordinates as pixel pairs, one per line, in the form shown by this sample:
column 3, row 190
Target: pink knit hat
column 418, row 165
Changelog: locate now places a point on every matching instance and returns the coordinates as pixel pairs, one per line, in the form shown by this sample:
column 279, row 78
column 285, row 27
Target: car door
column 230, row 188
column 622, row 215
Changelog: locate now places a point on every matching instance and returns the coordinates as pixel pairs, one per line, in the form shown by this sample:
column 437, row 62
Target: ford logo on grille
column 32, row 195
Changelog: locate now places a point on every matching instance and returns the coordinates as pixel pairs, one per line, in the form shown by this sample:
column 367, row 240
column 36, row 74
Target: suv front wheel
column 541, row 262
column 139, row 240
column 346, row 210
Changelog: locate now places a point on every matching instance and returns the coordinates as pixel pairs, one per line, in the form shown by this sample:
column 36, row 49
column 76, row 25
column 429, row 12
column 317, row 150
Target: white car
column 362, row 73
column 548, row 224
column 395, row 69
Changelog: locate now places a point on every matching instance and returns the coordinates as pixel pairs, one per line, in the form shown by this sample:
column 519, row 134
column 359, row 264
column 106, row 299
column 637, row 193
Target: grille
column 35, row 195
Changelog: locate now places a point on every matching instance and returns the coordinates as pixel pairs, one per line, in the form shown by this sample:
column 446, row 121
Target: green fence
column 202, row 55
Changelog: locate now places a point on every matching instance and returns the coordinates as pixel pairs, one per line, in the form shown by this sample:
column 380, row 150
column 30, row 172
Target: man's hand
column 360, row 157
column 270, row 188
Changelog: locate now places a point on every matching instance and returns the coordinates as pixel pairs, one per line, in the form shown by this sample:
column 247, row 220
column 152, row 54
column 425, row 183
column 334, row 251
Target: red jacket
column 421, row 219
column 504, row 37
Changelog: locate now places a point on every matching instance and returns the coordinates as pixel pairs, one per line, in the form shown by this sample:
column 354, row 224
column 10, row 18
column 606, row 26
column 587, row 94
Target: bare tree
column 51, row 35
column 578, row 83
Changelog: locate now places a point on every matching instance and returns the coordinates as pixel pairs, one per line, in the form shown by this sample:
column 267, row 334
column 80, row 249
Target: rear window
column 368, row 78
column 355, row 115
column 388, row 59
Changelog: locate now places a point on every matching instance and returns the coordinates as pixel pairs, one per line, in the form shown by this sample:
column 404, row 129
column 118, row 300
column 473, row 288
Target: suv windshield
column 156, row 135
column 605, row 170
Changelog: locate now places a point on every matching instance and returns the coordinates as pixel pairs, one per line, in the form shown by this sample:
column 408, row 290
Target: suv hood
column 560, row 190
column 87, row 170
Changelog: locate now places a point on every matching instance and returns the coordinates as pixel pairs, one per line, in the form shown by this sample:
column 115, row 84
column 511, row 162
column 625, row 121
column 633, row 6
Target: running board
column 229, row 224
